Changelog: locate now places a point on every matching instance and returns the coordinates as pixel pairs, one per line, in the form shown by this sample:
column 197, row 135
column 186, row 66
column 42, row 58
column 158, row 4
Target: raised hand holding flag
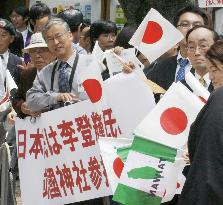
column 155, row 36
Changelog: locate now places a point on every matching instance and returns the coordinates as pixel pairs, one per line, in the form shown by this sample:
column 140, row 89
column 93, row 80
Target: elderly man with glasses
column 57, row 83
column 174, row 68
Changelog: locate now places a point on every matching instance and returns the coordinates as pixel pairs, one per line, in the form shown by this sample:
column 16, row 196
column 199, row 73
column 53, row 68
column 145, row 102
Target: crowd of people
column 44, row 54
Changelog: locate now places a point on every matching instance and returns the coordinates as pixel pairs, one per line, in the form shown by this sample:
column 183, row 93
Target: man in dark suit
column 173, row 69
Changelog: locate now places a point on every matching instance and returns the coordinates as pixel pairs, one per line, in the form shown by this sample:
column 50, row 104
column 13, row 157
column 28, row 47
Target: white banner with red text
column 59, row 157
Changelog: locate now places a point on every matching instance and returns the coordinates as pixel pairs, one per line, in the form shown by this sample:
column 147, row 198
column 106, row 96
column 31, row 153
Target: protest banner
column 210, row 3
column 59, row 157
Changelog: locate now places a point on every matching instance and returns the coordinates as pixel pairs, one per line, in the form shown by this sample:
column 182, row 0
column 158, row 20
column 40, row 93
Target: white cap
column 37, row 41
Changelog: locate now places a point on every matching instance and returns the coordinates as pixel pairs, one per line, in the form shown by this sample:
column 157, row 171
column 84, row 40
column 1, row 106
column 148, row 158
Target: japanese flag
column 155, row 36
column 91, row 80
column 169, row 122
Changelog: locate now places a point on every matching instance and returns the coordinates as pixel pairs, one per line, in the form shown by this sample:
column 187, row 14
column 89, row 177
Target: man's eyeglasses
column 58, row 36
column 201, row 47
column 187, row 25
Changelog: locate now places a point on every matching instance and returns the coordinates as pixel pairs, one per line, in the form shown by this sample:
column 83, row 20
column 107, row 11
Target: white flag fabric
column 169, row 122
column 130, row 98
column 196, row 86
column 175, row 180
column 99, row 55
column 155, row 36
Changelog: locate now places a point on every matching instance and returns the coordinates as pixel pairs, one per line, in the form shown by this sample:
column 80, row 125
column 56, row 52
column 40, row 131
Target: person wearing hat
column 41, row 57
column 7, row 60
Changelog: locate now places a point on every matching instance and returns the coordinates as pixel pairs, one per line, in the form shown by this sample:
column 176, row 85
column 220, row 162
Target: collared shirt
column 187, row 68
column 24, row 36
column 41, row 97
column 3, row 67
column 79, row 49
column 206, row 78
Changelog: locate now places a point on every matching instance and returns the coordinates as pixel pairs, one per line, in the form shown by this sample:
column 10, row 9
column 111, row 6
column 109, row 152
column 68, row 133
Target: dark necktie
column 181, row 72
column 63, row 79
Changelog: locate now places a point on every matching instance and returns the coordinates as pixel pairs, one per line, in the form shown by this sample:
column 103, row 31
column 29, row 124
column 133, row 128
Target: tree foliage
column 136, row 10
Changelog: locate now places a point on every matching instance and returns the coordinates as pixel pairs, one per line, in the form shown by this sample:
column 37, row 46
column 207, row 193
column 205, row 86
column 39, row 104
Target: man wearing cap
column 7, row 60
column 41, row 57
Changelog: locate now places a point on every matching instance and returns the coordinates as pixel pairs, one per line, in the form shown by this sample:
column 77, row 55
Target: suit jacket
column 13, row 61
column 163, row 72
column 26, row 82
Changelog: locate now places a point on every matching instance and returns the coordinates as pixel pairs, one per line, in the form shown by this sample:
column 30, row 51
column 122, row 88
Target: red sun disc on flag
column 93, row 89
column 153, row 33
column 173, row 121
column 118, row 166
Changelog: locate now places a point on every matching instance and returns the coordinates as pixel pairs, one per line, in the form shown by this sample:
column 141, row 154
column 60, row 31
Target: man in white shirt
column 19, row 18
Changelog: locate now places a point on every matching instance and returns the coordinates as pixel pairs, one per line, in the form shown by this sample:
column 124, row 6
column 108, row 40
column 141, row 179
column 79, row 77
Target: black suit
column 163, row 72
